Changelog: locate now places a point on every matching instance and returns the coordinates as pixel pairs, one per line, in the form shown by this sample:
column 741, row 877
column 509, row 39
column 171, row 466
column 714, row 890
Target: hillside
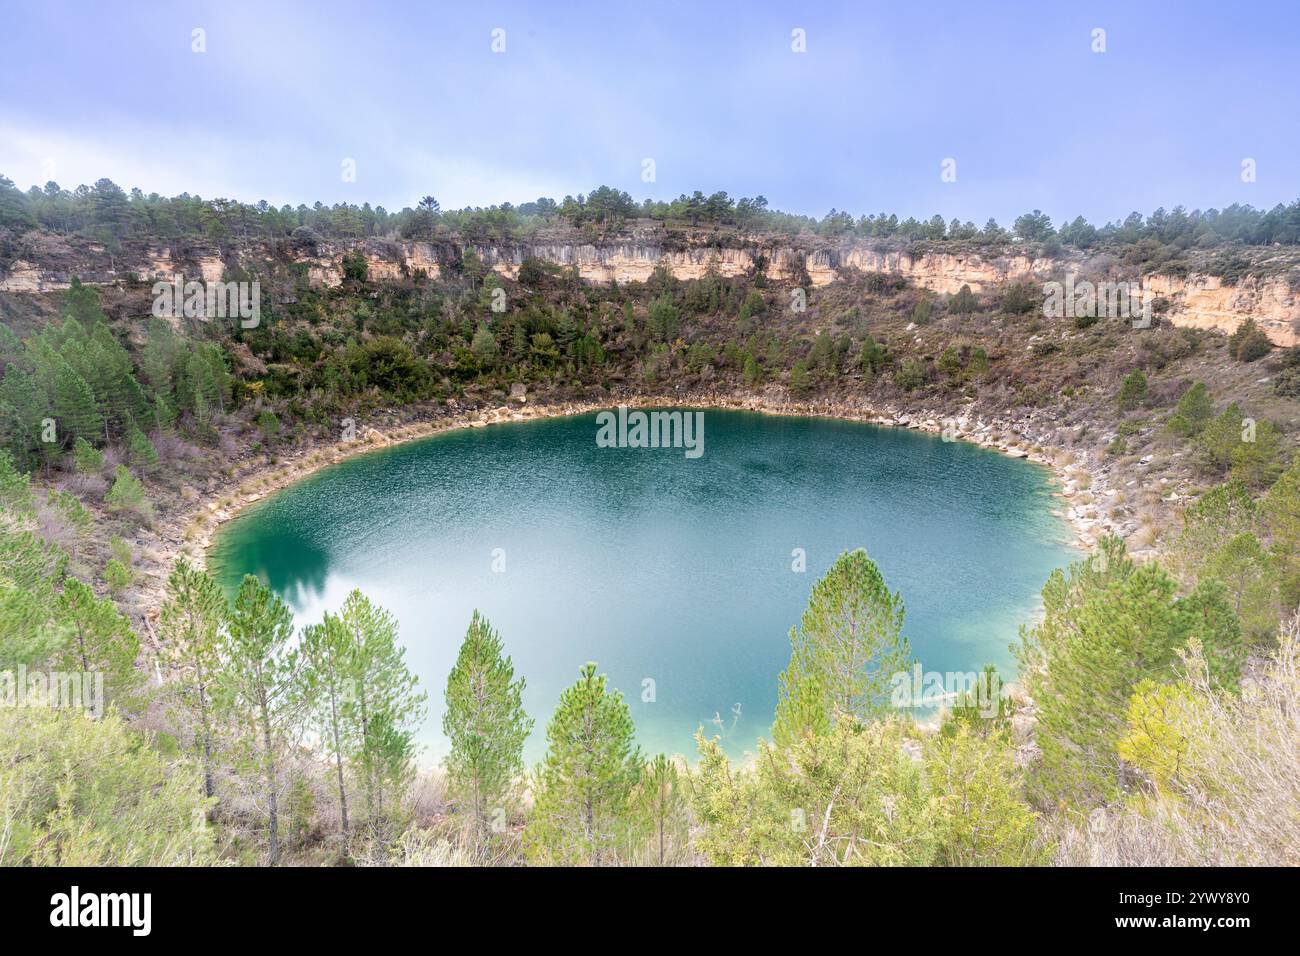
column 1171, row 445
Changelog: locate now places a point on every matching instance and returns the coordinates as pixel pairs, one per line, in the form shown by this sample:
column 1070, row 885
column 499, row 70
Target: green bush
column 127, row 495
column 117, row 576
column 80, row 791
column 911, row 376
column 1249, row 342
column 1133, row 390
column 1193, row 413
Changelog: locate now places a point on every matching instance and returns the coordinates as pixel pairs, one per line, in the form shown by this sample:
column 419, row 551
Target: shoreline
column 196, row 526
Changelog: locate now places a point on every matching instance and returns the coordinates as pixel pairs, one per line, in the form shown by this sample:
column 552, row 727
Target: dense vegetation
column 108, row 214
column 286, row 745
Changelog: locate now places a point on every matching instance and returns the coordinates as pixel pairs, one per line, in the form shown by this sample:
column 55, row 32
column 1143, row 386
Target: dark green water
column 655, row 566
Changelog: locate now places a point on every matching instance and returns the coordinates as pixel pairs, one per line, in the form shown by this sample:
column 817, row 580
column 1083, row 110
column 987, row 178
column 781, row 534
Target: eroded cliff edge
column 1200, row 300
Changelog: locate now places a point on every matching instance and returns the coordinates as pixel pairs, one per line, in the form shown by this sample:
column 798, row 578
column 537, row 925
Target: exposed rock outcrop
column 1196, row 300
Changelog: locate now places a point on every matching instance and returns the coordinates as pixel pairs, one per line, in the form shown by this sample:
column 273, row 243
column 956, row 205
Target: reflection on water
column 292, row 565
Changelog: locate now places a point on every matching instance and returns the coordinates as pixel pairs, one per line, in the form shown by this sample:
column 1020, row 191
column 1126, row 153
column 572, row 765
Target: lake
column 678, row 575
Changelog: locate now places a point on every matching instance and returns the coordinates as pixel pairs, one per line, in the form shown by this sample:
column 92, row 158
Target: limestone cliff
column 1195, row 300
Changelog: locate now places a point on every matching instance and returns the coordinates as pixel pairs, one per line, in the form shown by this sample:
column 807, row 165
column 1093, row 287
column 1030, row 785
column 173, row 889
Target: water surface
column 674, row 575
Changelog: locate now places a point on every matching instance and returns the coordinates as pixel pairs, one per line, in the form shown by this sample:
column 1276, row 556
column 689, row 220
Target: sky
column 714, row 93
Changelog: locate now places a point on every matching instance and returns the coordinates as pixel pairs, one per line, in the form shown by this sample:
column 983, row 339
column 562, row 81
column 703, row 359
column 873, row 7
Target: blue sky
column 712, row 92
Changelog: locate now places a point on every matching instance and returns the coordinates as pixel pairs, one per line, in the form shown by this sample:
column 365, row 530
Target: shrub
column 269, row 425
column 80, row 791
column 950, row 362
column 117, row 576
column 1193, row 413
column 1249, row 342
column 912, row 375
column 86, row 458
column 128, row 495
column 1020, row 298
column 140, row 449
column 355, row 267
column 1221, row 771
column 799, row 380
column 963, row 302
column 1133, row 390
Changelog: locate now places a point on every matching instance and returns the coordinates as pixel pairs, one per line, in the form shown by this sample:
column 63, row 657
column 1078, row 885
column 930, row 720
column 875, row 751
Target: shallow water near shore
column 673, row 574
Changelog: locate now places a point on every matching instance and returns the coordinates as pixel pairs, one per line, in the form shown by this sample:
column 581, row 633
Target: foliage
column 485, row 724
column 1249, row 342
column 1108, row 625
column 585, row 783
column 845, row 653
column 81, row 791
column 127, row 495
column 190, row 625
column 257, row 684
column 1193, row 413
column 849, row 797
column 1132, row 390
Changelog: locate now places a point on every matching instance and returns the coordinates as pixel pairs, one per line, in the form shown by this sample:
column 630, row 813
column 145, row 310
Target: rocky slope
column 1197, row 300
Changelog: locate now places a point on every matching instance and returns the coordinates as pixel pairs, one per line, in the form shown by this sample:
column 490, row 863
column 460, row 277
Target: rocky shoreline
column 188, row 531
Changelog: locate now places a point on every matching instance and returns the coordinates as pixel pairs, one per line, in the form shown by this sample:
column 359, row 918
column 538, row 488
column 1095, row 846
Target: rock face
column 1197, row 301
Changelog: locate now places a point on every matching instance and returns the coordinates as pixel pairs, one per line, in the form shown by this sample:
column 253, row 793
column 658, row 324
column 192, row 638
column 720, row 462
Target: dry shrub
column 173, row 448
column 88, row 487
column 416, row 848
column 55, row 528
column 1235, row 800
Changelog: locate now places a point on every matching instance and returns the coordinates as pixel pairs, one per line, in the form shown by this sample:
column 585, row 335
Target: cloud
column 32, row 155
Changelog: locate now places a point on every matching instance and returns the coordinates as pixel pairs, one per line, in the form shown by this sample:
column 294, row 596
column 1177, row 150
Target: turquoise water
column 660, row 568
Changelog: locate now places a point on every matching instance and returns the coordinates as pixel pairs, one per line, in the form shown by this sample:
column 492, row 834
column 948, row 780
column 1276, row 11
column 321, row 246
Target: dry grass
column 1236, row 799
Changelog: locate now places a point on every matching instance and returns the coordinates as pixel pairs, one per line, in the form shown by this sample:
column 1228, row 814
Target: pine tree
column 386, row 708
column 140, row 448
column 662, row 805
column 24, row 403
column 1108, row 624
column 73, row 402
column 127, row 494
column 585, row 783
column 799, row 379
column 1133, row 390
column 163, row 357
column 331, row 674
column 1193, row 413
column 664, row 321
column 845, row 653
column 1281, row 512
column 190, row 625
column 850, row 797
column 484, row 346
column 81, row 304
column 485, row 724
column 99, row 641
column 30, row 567
column 87, row 459
column 205, row 387
column 257, row 685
